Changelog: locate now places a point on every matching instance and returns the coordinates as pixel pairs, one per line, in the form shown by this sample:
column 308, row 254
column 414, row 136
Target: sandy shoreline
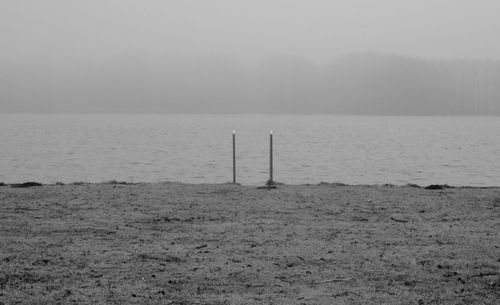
column 171, row 243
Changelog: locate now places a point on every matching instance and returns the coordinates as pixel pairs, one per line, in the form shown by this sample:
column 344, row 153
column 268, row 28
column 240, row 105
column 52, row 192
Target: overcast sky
column 318, row 30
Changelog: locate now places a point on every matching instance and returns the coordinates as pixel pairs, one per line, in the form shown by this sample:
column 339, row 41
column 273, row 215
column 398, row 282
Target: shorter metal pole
column 234, row 156
column 270, row 182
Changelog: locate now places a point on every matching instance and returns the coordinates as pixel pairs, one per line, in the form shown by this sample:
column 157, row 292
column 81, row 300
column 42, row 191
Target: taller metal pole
column 234, row 156
column 271, row 157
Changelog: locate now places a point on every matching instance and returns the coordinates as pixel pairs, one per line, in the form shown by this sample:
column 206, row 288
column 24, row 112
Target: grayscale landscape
column 250, row 152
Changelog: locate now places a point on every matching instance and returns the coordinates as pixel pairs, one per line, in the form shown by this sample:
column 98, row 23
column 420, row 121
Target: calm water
column 197, row 149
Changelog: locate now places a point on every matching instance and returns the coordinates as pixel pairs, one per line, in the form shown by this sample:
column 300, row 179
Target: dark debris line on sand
column 25, row 184
column 438, row 187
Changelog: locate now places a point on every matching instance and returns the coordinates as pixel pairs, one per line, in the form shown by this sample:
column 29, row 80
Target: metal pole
column 271, row 158
column 234, row 156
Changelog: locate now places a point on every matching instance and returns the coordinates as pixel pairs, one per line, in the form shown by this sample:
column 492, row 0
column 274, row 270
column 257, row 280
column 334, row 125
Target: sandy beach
column 171, row 243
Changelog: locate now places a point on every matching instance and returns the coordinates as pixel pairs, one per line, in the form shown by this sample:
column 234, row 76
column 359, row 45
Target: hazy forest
column 362, row 83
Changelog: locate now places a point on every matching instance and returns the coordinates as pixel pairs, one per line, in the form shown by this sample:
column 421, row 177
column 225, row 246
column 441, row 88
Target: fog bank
column 363, row 83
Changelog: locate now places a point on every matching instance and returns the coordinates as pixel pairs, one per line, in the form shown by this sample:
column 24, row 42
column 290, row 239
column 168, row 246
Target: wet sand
column 171, row 243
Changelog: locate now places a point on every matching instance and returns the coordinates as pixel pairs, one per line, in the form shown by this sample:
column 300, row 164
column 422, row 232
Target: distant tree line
column 396, row 85
column 353, row 84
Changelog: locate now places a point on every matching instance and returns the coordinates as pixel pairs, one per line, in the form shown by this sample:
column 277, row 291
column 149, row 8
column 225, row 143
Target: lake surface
column 198, row 149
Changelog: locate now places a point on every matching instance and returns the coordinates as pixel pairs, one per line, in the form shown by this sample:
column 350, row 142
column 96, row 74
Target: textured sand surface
column 173, row 243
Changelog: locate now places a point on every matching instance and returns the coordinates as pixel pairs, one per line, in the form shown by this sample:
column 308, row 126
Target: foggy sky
column 318, row 30
column 72, row 55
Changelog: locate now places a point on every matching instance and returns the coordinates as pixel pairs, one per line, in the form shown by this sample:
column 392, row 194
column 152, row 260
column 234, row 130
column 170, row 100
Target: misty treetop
column 353, row 84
